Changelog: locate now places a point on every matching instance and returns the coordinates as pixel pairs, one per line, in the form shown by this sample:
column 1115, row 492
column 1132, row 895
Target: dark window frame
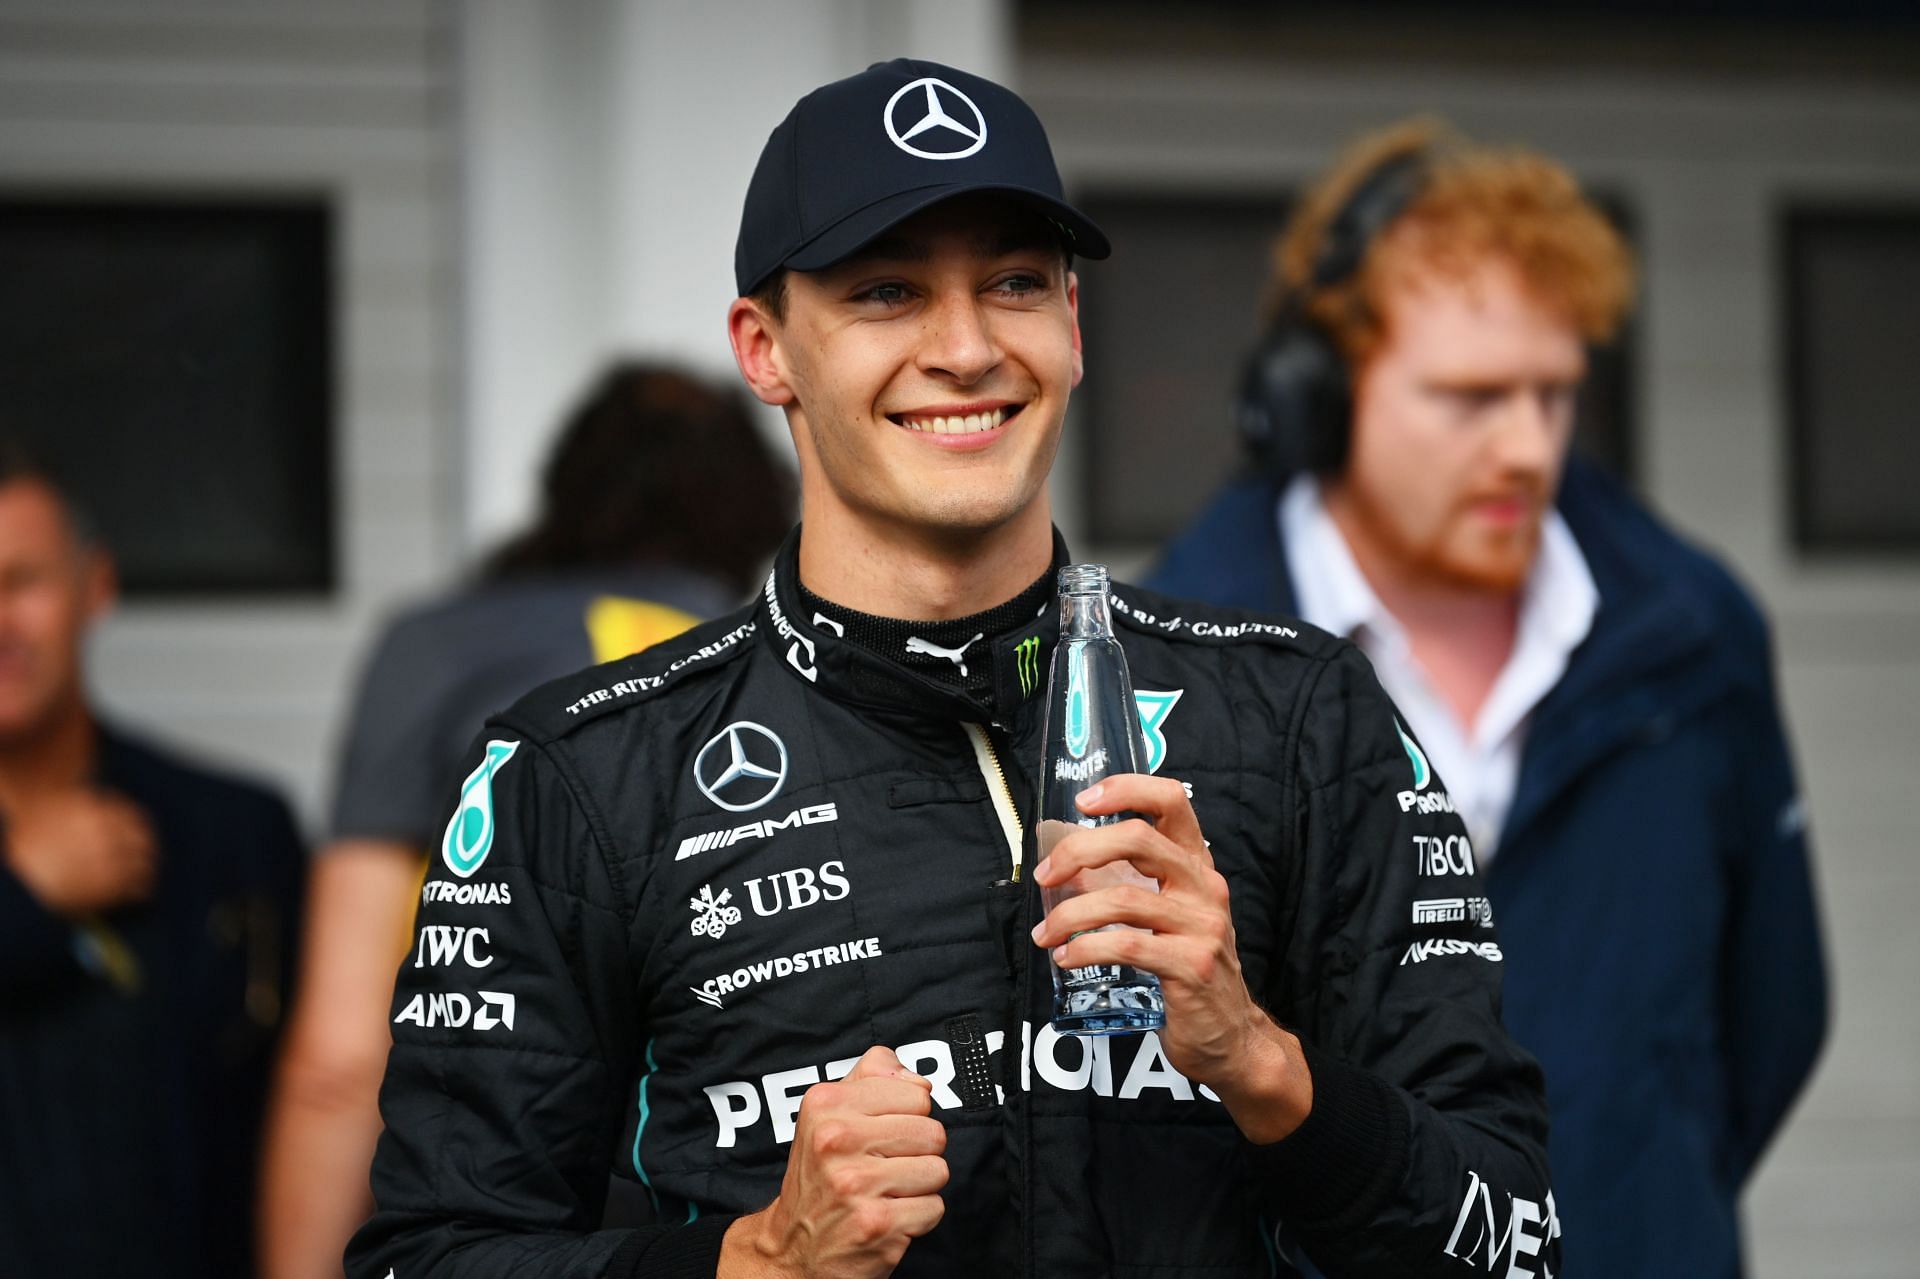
column 300, row 231
column 1614, row 368
column 1796, row 219
column 1103, row 527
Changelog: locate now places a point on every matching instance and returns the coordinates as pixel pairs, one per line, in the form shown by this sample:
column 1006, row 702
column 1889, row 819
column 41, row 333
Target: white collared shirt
column 1480, row 762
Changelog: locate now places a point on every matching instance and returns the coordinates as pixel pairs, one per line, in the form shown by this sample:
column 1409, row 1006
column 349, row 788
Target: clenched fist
column 82, row 851
column 863, row 1180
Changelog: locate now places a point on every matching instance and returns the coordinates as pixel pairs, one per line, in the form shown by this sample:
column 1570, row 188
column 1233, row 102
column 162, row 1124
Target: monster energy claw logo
column 1079, row 729
column 1027, row 662
column 469, row 836
column 1422, row 774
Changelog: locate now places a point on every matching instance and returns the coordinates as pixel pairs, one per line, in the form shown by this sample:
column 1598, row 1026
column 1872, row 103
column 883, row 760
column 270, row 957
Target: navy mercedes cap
column 860, row 155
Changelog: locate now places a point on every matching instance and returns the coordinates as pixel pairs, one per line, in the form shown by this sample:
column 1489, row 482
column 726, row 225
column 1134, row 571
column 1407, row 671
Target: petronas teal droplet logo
column 1422, row 772
column 469, row 836
column 1079, row 728
column 1154, row 708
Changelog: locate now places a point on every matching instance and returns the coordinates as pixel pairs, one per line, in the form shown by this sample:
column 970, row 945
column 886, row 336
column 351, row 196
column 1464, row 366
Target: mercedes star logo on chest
column 935, row 121
column 743, row 767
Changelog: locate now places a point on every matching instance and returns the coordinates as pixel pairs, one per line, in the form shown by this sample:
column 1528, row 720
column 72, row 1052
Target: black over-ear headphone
column 1295, row 396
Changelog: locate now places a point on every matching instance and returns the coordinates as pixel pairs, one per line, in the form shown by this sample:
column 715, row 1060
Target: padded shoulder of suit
column 561, row 706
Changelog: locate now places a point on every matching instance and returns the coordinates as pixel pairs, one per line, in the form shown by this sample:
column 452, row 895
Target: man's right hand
column 81, row 852
column 862, row 1181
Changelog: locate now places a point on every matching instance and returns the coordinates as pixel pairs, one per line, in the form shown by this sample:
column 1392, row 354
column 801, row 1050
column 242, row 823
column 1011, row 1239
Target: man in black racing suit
column 751, row 919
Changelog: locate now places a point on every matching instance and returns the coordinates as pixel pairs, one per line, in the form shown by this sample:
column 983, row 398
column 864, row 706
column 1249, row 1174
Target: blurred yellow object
column 105, row 954
column 618, row 627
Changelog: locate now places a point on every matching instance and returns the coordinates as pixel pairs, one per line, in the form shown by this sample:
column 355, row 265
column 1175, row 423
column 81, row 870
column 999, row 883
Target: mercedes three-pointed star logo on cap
column 935, row 121
column 732, row 777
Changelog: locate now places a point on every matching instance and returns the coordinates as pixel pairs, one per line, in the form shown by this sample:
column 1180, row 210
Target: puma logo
column 955, row 655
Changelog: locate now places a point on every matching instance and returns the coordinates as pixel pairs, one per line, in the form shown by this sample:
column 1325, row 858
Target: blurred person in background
column 661, row 504
column 147, row 910
column 1596, row 694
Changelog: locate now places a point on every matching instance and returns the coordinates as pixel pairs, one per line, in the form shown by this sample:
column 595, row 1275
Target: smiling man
column 751, row 920
column 1597, row 695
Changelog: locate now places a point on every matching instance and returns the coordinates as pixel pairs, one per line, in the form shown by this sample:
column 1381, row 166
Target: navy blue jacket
column 130, row 1117
column 1652, row 890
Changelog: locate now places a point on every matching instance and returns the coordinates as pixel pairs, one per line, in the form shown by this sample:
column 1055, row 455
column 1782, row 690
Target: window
column 1852, row 380
column 1169, row 321
column 172, row 362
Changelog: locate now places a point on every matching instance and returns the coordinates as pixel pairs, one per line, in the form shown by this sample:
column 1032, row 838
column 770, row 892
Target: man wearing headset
column 1596, row 695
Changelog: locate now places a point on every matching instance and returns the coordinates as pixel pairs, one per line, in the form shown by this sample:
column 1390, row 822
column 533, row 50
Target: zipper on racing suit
column 1002, row 795
column 1018, row 963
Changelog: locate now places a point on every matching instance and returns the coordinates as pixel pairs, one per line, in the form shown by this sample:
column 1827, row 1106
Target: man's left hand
column 1215, row 1033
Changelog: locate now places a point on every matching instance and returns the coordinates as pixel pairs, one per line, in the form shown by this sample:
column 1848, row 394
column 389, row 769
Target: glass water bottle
column 1092, row 730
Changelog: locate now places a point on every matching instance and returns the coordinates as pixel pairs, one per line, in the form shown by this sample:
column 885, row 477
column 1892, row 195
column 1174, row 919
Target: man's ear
column 1073, row 312
column 100, row 582
column 755, row 336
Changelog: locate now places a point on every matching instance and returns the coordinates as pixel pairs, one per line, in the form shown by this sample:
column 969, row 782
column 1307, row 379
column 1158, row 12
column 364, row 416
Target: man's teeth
column 959, row 424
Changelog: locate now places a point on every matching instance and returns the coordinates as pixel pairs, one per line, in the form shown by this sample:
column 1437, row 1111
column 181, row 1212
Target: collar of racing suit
column 811, row 648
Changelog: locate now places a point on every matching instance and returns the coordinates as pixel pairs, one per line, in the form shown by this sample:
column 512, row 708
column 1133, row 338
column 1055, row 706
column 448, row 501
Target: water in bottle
column 1092, row 731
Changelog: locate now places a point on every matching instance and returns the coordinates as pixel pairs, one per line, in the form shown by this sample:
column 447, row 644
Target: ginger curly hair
column 1475, row 202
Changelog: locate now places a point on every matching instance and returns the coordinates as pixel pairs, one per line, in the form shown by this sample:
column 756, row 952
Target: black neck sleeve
column 954, row 652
